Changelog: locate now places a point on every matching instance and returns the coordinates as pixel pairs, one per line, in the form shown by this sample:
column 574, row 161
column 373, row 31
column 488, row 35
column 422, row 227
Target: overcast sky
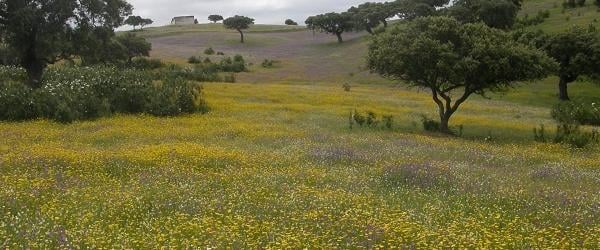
column 264, row 11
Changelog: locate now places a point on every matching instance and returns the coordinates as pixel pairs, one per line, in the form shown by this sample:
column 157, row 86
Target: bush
column 539, row 18
column 194, row 60
column 577, row 112
column 71, row 94
column 220, row 53
column 233, row 65
column 209, row 51
column 146, row 64
column 370, row 120
column 572, row 135
column 268, row 63
column 430, row 124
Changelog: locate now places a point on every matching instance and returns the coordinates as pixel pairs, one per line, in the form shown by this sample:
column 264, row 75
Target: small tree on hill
column 332, row 23
column 145, row 22
column 238, row 23
column 370, row 15
column 290, row 22
column 578, row 53
column 215, row 18
column 449, row 58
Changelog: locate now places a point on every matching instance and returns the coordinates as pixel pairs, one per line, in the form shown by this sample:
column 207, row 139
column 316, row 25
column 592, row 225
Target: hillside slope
column 561, row 19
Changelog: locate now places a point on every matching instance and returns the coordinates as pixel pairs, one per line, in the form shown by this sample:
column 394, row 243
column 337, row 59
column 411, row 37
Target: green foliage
column 237, row 64
column 133, row 46
column 370, row 15
column 347, row 87
column 72, row 94
column 429, row 124
column 501, row 14
column 444, row 56
column 332, row 23
column 268, row 63
column 215, row 18
column 209, row 51
column 571, row 134
column 142, row 63
column 138, row 21
column 41, row 32
column 194, row 60
column 370, row 119
column 530, row 21
column 577, row 112
column 238, row 23
column 290, row 22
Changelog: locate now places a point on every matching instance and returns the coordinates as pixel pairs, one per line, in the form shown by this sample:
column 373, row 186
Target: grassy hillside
column 171, row 30
column 276, row 166
column 561, row 19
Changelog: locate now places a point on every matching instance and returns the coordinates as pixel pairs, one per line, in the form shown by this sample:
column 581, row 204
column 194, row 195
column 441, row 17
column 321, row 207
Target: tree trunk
column 563, row 89
column 444, row 123
column 241, row 35
column 339, row 37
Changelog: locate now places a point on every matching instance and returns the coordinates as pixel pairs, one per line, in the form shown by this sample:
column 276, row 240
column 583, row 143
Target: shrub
column 577, row 112
column 429, row 124
column 146, row 64
column 12, row 73
column 370, row 120
column 572, row 135
column 233, row 65
column 347, row 87
column 220, row 53
column 194, row 60
column 71, row 94
column 209, row 51
column 207, row 60
column 176, row 96
column 268, row 63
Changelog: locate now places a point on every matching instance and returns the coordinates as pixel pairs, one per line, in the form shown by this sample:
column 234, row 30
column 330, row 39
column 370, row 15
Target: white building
column 183, row 20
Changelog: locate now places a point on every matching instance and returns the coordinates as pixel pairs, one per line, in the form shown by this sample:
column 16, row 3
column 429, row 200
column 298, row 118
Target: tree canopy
column 501, row 14
column 43, row 32
column 133, row 46
column 370, row 15
column 578, row 53
column 138, row 21
column 238, row 23
column 449, row 58
column 290, row 22
column 332, row 23
column 215, row 18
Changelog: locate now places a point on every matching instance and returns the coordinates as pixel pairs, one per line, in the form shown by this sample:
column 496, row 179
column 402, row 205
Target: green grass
column 561, row 20
column 277, row 166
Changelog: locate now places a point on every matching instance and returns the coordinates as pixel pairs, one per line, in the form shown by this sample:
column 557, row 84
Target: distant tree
column 290, row 22
column 196, row 21
column 44, row 32
column 411, row 9
column 449, row 58
column 578, row 53
column 238, row 23
column 215, row 18
column 501, row 14
column 134, row 46
column 332, row 23
column 370, row 15
column 134, row 21
column 145, row 22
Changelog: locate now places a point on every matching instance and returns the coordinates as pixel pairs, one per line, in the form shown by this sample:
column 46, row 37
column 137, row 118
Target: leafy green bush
column 143, row 63
column 194, row 60
column 370, row 119
column 572, row 135
column 209, row 51
column 268, row 63
column 237, row 64
column 577, row 112
column 429, row 124
column 71, row 94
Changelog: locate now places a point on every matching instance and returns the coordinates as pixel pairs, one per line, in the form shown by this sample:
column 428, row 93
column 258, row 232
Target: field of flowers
column 277, row 166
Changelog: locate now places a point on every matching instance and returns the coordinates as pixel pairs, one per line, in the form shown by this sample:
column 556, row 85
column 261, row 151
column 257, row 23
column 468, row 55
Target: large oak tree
column 454, row 61
column 332, row 23
column 238, row 23
column 42, row 32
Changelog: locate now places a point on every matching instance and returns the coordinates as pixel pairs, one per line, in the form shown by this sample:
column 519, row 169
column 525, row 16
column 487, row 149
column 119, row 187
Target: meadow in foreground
column 277, row 166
